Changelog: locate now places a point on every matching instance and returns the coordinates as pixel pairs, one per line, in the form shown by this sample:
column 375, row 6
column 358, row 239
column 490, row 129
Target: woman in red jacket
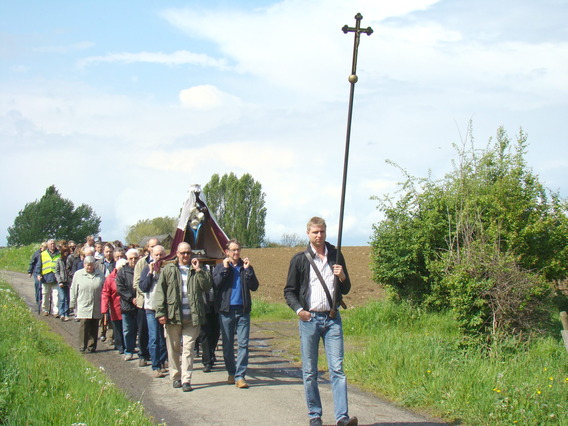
column 111, row 303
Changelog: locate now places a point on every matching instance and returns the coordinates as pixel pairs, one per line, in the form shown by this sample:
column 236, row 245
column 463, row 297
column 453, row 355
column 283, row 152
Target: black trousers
column 88, row 333
column 208, row 337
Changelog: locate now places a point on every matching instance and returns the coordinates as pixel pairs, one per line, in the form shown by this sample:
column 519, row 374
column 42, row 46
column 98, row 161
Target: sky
column 124, row 105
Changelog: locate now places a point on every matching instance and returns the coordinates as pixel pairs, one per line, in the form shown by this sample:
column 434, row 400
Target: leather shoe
column 177, row 384
column 316, row 421
column 242, row 384
column 158, row 374
column 353, row 421
column 186, row 387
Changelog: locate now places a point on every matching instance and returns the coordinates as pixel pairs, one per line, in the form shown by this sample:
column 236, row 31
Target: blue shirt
column 237, row 292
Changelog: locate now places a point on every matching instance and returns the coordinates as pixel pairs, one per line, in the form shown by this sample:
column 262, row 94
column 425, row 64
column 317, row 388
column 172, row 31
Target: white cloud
column 206, row 97
column 267, row 95
column 180, row 57
column 85, row 45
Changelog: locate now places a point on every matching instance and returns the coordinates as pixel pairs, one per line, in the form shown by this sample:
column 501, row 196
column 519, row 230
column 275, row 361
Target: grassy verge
column 412, row 358
column 17, row 259
column 44, row 381
column 267, row 311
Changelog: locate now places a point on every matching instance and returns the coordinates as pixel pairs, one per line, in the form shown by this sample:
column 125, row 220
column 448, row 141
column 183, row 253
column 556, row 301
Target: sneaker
column 177, row 384
column 186, row 387
column 231, row 380
column 242, row 384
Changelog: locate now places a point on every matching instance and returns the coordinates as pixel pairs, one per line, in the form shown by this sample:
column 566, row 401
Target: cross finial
column 357, row 30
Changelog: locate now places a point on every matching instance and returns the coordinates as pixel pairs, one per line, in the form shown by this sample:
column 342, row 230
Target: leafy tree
column 53, row 216
column 150, row 228
column 487, row 241
column 238, row 205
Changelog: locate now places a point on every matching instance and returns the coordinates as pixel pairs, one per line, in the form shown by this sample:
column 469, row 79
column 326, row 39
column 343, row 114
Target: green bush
column 452, row 243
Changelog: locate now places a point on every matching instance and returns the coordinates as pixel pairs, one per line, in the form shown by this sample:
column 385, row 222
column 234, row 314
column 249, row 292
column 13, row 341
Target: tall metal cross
column 352, row 79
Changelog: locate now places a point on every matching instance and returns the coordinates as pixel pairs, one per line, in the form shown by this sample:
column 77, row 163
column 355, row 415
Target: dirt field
column 271, row 266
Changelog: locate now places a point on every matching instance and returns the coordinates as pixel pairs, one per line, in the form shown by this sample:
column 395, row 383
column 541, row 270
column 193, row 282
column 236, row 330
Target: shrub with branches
column 487, row 241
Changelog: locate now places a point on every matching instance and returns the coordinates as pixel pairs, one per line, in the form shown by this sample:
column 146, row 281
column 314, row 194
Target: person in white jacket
column 86, row 300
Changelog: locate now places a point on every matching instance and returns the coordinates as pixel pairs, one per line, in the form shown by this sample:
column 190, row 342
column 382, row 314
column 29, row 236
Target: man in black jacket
column 33, row 269
column 127, row 293
column 233, row 281
column 309, row 293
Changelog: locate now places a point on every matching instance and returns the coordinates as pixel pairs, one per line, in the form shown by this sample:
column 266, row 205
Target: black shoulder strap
column 321, row 280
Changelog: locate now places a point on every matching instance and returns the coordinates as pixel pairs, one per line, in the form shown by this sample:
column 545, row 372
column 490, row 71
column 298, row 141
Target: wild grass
column 267, row 311
column 17, row 259
column 44, row 381
column 412, row 357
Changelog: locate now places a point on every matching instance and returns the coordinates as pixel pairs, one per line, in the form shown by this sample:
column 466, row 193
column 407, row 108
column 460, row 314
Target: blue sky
column 124, row 105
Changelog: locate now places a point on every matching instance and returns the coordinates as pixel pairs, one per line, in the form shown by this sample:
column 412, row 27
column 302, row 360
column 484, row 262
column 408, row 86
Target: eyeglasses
column 234, row 250
column 184, row 253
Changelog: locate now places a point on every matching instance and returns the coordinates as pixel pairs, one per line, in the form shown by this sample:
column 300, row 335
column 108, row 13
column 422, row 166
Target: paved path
column 275, row 396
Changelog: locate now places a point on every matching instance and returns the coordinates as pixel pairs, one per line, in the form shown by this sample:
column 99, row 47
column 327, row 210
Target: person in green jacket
column 180, row 306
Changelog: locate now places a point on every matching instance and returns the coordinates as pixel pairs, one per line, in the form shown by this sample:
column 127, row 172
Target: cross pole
column 352, row 79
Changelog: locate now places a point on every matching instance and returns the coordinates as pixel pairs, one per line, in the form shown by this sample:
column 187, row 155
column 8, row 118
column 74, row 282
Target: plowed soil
column 271, row 267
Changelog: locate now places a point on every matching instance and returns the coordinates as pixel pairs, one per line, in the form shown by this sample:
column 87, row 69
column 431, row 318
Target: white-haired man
column 47, row 278
column 147, row 285
column 142, row 322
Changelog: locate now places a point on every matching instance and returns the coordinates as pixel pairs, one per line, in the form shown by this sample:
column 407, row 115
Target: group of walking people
column 166, row 308
column 159, row 312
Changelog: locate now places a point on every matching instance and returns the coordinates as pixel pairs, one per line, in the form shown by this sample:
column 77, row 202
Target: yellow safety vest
column 48, row 262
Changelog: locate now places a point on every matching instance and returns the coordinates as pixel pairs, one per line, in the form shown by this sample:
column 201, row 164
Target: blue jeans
column 230, row 321
column 64, row 301
column 156, row 341
column 129, row 328
column 142, row 333
column 118, row 335
column 331, row 332
column 38, row 292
